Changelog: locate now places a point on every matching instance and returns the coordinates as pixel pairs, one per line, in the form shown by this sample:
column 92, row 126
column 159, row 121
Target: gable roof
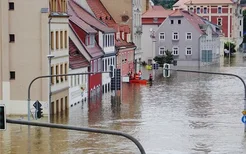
column 156, row 11
column 88, row 18
column 76, row 59
column 196, row 21
column 102, row 13
column 93, row 52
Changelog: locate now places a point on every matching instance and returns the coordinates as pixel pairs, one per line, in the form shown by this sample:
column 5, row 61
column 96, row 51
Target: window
column 219, row 9
column 191, row 9
column 11, row 6
column 219, row 21
column 155, row 20
column 205, row 10
column 11, row 37
column 240, row 11
column 175, row 50
column 52, row 73
column 61, row 39
column 12, row 75
column 188, row 51
column 65, row 70
column 240, row 22
column 161, row 51
column 179, row 21
column 65, row 38
column 207, row 56
column 162, row 36
column 198, row 10
column 240, row 34
column 52, row 40
column 57, row 40
column 188, row 36
column 171, row 21
column 63, row 5
column 175, row 36
column 57, row 72
column 61, row 72
column 90, row 40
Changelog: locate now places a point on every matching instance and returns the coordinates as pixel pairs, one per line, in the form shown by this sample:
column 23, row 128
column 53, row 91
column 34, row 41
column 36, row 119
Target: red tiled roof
column 76, row 59
column 95, row 51
column 102, row 14
column 73, row 17
column 156, row 11
column 209, row 2
column 88, row 18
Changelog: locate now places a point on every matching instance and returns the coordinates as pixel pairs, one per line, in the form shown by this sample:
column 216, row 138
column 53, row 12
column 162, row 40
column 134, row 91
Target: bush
column 166, row 58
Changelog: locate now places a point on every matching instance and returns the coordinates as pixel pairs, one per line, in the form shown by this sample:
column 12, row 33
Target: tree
column 230, row 46
column 166, row 58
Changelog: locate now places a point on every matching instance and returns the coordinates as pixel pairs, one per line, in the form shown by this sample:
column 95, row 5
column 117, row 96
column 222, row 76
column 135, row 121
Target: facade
column 225, row 13
column 193, row 41
column 98, row 40
column 129, row 12
column 151, row 20
column 24, row 49
column 78, row 90
column 123, row 45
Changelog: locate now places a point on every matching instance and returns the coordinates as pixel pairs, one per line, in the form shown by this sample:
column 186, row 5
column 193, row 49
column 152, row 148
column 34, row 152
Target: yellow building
column 24, row 49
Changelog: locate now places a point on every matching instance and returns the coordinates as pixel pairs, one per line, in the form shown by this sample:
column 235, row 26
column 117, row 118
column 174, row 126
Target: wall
column 168, row 43
column 95, row 80
column 75, row 93
column 148, row 42
column 125, row 61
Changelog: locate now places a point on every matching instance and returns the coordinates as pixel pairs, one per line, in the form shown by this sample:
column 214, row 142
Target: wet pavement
column 185, row 114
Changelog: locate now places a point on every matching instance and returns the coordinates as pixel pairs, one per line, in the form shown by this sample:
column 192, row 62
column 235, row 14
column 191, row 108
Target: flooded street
column 185, row 114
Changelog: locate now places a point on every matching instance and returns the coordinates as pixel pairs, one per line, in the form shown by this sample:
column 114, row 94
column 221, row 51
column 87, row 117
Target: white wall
column 75, row 93
column 147, row 47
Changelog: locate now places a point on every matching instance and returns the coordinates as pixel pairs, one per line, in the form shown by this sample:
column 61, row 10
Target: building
column 193, row 41
column 24, row 50
column 99, row 44
column 225, row 13
column 124, row 47
column 78, row 90
column 151, row 20
column 128, row 12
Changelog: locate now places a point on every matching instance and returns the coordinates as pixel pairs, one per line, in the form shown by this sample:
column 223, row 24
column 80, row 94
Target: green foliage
column 230, row 45
column 166, row 58
column 168, row 4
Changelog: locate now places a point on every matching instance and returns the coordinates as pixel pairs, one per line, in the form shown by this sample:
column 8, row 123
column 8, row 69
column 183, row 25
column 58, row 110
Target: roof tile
column 156, row 11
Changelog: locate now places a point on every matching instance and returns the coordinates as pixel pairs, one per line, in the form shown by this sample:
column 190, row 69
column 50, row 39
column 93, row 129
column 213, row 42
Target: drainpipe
column 199, row 52
column 49, row 57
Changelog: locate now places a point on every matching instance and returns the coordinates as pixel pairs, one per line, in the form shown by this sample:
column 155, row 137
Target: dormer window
column 90, row 40
column 108, row 40
column 123, row 36
column 191, row 9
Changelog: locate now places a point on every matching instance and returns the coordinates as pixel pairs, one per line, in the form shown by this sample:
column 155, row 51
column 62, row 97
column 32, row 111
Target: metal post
column 92, row 130
column 216, row 73
column 121, row 80
column 50, row 76
column 50, row 84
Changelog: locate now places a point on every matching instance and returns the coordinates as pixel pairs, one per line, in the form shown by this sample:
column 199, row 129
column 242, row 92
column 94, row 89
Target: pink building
column 124, row 47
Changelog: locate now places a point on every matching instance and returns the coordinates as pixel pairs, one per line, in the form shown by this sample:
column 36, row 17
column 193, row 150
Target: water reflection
column 187, row 113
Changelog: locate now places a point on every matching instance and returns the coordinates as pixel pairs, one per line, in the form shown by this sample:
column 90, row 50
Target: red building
column 124, row 47
column 84, row 37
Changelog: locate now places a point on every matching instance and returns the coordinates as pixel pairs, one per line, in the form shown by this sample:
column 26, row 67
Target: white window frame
column 218, row 9
column 175, row 47
column 186, row 51
column 174, row 34
column 191, row 9
column 220, row 21
column 205, row 12
column 198, row 12
column 187, row 36
column 160, row 50
column 160, row 36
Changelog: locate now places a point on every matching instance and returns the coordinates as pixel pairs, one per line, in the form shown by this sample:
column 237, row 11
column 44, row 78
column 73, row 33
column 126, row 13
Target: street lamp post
column 152, row 36
column 50, row 76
